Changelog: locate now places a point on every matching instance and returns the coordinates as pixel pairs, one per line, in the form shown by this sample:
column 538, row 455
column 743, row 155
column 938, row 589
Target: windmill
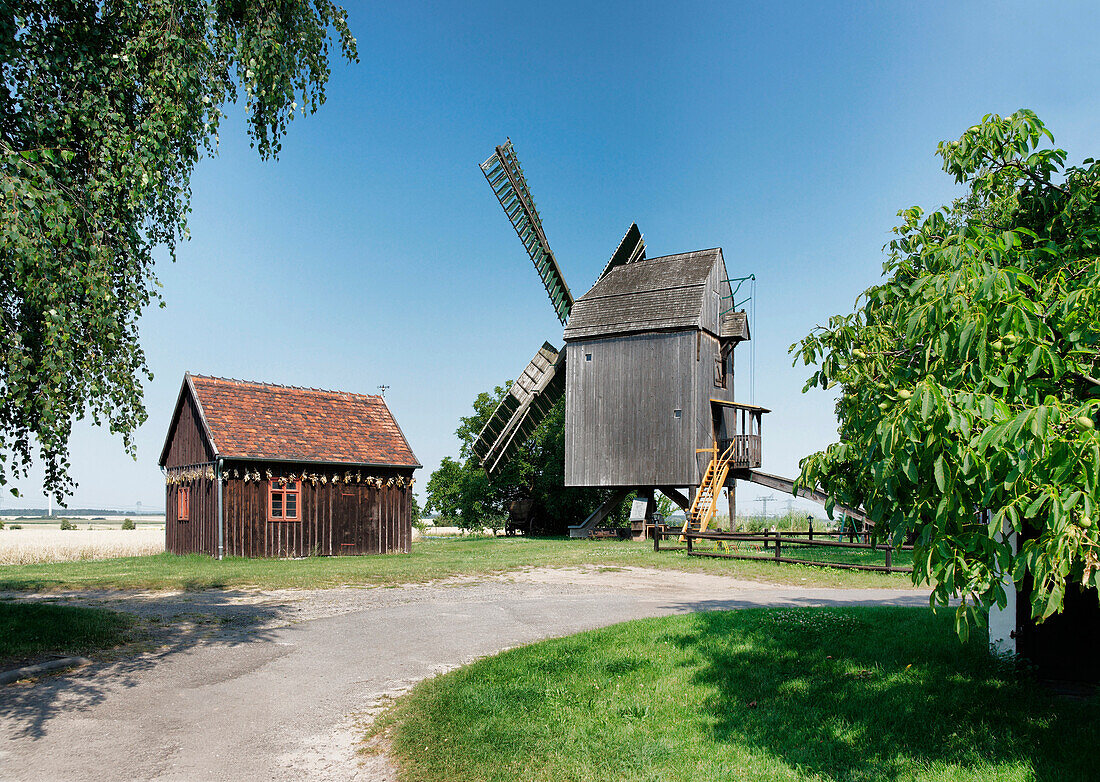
column 542, row 382
column 647, row 370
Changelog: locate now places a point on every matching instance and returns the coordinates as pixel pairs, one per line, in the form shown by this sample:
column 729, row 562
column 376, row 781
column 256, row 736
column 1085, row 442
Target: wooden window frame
column 723, row 367
column 288, row 487
column 183, row 503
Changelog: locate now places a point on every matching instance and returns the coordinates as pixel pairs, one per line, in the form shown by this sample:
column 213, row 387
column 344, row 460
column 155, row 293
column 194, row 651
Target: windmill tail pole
column 780, row 483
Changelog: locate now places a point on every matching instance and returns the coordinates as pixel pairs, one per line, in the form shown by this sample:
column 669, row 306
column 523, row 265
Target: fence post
column 778, row 546
column 687, row 537
column 811, row 527
column 889, row 557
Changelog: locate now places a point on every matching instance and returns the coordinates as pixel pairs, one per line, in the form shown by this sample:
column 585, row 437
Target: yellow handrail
column 705, row 503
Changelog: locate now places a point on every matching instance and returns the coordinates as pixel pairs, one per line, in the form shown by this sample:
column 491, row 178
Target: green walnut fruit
column 998, row 345
column 884, row 406
column 1011, row 339
column 859, row 353
column 1084, row 423
column 1085, row 522
column 904, row 394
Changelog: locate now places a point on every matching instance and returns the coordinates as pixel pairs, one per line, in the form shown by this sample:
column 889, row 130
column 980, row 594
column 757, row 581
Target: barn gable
column 656, row 294
column 188, row 441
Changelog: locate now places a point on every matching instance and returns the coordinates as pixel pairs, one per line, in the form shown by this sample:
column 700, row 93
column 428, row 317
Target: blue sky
column 372, row 251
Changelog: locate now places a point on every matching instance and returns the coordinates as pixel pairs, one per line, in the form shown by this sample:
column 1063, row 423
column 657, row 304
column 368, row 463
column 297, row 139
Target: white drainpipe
column 221, row 520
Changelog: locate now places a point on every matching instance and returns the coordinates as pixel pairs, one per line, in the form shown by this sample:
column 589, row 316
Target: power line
column 765, row 500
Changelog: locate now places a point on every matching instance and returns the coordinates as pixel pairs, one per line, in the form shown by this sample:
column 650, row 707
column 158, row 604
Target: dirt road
column 277, row 685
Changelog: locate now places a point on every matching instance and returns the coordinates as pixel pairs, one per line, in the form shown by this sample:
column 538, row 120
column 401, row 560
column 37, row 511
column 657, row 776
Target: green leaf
column 1035, row 506
column 927, row 401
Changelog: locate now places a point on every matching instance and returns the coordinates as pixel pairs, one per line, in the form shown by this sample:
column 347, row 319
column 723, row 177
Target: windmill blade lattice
column 630, row 249
column 505, row 176
column 523, row 408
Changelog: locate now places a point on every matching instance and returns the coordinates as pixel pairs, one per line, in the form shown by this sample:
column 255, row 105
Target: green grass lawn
column 429, row 560
column 855, row 694
column 32, row 630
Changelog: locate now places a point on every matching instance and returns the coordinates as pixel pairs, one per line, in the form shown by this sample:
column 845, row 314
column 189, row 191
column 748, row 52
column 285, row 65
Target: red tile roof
column 264, row 421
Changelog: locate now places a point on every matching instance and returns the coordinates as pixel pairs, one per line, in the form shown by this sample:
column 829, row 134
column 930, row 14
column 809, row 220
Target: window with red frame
column 282, row 500
column 183, row 494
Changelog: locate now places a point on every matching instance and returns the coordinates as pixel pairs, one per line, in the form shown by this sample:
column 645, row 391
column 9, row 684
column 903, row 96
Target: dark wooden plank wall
column 703, row 391
column 189, row 444
column 620, row 425
column 189, row 448
column 336, row 518
column 199, row 534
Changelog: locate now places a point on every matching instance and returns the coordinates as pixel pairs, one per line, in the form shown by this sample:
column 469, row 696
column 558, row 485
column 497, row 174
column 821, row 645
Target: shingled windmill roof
column 657, row 293
column 247, row 420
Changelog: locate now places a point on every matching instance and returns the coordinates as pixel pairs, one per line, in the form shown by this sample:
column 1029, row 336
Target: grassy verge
column 33, row 630
column 429, row 560
column 764, row 694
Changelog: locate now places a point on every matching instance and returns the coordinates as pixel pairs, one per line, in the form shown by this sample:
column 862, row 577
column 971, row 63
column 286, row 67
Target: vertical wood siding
column 188, row 442
column 336, row 518
column 620, row 425
column 199, row 534
column 188, row 447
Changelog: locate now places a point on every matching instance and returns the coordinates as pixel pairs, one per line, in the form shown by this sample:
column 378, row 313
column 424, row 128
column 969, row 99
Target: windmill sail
column 505, row 176
column 630, row 249
column 523, row 408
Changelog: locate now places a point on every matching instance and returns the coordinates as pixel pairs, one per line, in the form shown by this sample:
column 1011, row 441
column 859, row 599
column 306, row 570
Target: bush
column 128, row 524
column 66, row 524
column 16, row 526
column 1, row 525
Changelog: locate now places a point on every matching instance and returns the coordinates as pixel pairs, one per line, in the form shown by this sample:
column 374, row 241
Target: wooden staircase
column 703, row 507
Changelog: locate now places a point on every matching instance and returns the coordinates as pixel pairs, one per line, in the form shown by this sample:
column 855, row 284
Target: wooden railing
column 746, row 450
column 776, row 541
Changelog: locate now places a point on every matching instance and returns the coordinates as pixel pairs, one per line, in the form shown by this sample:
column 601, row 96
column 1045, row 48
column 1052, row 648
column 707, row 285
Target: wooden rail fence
column 776, row 541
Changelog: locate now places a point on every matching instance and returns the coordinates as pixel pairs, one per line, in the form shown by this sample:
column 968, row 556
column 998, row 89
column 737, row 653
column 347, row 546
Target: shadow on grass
column 174, row 624
column 881, row 693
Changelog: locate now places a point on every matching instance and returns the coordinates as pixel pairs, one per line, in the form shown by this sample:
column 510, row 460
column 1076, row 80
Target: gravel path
column 277, row 685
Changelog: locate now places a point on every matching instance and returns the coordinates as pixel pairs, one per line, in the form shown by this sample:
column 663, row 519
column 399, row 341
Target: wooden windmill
column 647, row 370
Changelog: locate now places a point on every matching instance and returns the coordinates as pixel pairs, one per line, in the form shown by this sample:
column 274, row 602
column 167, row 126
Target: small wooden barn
column 263, row 470
column 649, row 375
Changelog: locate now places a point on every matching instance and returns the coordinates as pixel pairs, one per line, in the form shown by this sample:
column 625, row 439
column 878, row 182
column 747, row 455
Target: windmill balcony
column 746, row 451
column 739, row 425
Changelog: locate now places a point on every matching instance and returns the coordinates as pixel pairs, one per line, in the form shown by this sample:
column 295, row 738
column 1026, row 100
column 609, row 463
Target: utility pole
column 765, row 500
column 382, row 390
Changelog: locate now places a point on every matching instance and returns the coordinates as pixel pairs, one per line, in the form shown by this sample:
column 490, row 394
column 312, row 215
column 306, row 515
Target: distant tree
column 461, row 492
column 968, row 378
column 104, row 109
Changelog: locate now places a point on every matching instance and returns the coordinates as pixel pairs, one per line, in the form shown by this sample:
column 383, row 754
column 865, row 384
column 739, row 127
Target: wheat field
column 30, row 545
